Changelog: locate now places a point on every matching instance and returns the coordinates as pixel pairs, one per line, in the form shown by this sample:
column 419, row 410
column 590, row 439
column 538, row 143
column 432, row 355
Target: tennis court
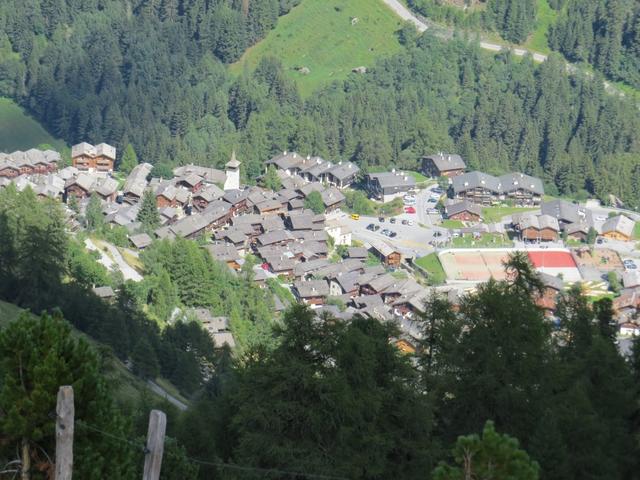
column 473, row 266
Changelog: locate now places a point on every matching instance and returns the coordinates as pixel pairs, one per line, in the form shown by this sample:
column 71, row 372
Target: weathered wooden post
column 155, row 445
column 65, row 412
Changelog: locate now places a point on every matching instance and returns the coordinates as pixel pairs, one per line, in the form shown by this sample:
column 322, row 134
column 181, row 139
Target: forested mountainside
column 605, row 33
column 153, row 76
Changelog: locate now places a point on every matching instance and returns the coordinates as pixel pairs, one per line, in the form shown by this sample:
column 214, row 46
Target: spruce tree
column 129, row 160
column 148, row 214
column 93, row 214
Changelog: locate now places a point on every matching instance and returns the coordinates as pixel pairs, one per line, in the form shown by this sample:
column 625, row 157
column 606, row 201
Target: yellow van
column 355, row 216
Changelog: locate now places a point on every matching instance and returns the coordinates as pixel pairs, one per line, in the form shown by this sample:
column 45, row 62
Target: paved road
column 157, row 389
column 104, row 258
column 114, row 258
column 422, row 25
column 406, row 14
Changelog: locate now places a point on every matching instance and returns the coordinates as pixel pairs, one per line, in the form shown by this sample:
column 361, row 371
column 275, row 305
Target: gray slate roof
column 619, row 223
column 311, row 288
column 447, row 161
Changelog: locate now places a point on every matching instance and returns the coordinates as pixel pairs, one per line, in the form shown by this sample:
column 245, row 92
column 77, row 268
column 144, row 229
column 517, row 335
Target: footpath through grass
column 330, row 38
column 18, row 131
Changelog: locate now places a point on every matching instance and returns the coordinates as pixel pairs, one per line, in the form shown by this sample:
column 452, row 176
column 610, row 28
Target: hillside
column 128, row 387
column 18, row 131
column 319, row 35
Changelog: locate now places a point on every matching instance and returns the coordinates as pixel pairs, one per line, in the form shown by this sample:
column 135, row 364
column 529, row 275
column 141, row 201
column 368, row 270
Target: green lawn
column 18, row 131
column 495, row 214
column 545, row 17
column 487, row 240
column 636, row 231
column 452, row 224
column 431, row 263
column 319, row 35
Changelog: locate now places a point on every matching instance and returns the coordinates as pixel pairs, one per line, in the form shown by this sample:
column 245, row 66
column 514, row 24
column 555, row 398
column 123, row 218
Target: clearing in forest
column 18, row 131
column 329, row 38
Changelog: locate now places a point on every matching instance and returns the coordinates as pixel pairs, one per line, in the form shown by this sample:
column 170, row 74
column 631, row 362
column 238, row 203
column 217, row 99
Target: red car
column 409, row 210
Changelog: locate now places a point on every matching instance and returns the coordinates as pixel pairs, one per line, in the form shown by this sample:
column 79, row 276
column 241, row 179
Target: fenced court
column 473, row 266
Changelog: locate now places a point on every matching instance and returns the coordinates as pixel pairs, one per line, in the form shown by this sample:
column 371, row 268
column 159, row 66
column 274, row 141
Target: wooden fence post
column 65, row 413
column 155, row 445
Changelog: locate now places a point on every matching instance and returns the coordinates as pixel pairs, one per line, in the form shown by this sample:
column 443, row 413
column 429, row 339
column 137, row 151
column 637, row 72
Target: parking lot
column 413, row 240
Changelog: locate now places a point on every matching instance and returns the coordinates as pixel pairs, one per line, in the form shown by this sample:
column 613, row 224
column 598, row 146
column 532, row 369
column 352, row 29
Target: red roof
column 552, row 259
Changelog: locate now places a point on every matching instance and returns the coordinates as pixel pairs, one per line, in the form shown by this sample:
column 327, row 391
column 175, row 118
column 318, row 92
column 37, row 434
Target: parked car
column 371, row 227
column 381, row 219
column 385, row 231
column 437, row 190
column 376, row 228
column 433, row 211
column 409, row 210
column 355, row 216
column 392, row 220
column 393, row 234
column 437, row 234
column 405, row 222
column 410, row 223
column 409, row 199
column 600, row 241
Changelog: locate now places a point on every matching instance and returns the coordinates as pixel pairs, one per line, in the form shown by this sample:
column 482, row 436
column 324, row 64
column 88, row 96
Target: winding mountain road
column 406, row 14
column 423, row 25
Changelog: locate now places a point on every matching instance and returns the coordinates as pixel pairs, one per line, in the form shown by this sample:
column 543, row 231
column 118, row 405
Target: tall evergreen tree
column 148, row 214
column 37, row 355
column 129, row 160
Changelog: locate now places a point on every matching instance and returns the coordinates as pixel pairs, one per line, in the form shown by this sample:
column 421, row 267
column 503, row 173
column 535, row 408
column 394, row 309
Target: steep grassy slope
column 319, row 35
column 127, row 387
column 18, row 131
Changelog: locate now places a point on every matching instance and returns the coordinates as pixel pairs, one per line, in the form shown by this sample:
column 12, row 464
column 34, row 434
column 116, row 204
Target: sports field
column 466, row 265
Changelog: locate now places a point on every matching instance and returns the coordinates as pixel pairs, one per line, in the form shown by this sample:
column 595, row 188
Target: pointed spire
column 233, row 163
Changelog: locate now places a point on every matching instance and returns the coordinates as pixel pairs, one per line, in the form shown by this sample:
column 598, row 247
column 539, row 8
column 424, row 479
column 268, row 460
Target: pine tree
column 493, row 455
column 129, row 160
column 314, row 202
column 144, row 359
column 271, row 180
column 93, row 215
column 148, row 214
column 37, row 355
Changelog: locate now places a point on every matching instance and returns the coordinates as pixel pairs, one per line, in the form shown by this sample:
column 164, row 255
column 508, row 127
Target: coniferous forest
column 152, row 74
column 525, row 397
column 489, row 394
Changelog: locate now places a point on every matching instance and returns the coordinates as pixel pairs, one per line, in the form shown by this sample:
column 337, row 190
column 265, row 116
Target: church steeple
column 233, row 173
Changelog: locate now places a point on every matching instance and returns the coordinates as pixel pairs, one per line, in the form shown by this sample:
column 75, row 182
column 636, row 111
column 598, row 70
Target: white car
column 410, row 223
column 409, row 199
